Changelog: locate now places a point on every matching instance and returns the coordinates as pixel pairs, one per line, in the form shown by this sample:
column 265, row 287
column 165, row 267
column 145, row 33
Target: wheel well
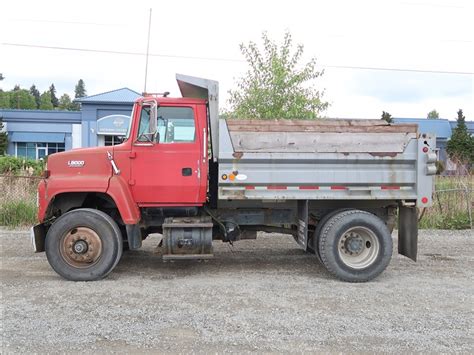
column 69, row 201
column 388, row 214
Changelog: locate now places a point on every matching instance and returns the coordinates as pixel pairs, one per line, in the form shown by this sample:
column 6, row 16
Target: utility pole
column 147, row 50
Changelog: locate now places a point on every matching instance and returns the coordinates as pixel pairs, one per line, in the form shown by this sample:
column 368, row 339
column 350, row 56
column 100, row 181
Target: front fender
column 54, row 186
column 120, row 192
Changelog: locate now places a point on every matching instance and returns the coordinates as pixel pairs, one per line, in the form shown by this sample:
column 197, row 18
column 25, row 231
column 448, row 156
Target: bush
column 20, row 166
column 18, row 213
column 440, row 167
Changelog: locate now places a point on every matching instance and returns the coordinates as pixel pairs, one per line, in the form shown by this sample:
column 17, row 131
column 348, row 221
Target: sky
column 427, row 44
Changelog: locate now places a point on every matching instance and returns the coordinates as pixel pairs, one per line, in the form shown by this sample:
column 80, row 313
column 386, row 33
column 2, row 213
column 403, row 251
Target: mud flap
column 38, row 237
column 134, row 236
column 408, row 232
column 302, row 223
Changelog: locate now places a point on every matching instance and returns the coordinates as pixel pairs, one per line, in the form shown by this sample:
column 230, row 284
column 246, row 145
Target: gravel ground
column 265, row 295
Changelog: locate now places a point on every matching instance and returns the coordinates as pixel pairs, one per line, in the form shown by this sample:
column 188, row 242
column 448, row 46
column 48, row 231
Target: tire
column 355, row 246
column 314, row 243
column 84, row 245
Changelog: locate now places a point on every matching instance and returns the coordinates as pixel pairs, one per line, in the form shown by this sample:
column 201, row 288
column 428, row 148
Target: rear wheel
column 314, row 243
column 84, row 245
column 355, row 246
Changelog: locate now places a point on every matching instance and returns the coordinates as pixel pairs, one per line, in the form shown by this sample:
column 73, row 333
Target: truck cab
column 166, row 164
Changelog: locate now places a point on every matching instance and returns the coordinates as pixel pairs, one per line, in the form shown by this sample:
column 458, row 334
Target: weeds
column 18, row 200
column 452, row 203
column 18, row 213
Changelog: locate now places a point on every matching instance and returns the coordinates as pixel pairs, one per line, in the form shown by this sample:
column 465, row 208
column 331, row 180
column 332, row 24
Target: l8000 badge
column 75, row 163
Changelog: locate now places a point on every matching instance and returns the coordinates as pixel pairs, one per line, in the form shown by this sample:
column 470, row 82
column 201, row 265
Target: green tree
column 45, row 101
column 432, row 115
column 65, row 102
column 276, row 85
column 54, row 99
column 461, row 144
column 36, row 94
column 387, row 117
column 21, row 99
column 3, row 139
column 4, row 99
column 79, row 91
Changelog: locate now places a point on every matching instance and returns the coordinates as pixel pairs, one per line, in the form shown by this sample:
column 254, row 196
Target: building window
column 37, row 151
column 112, row 140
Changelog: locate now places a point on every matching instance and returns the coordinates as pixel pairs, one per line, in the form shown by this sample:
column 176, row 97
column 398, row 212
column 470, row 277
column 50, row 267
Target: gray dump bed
column 316, row 160
column 324, row 159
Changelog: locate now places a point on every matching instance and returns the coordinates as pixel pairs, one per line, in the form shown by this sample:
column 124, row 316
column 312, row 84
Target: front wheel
column 355, row 246
column 84, row 245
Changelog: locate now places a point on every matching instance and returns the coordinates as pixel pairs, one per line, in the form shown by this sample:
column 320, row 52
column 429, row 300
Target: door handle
column 187, row 171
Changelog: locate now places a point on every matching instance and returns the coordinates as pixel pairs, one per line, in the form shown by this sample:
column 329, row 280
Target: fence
column 452, row 202
column 18, row 200
column 452, row 209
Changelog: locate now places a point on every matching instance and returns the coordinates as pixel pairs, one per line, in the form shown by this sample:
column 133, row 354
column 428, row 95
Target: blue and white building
column 103, row 119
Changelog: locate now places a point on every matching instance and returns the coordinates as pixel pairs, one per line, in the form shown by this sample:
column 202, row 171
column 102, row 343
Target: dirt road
column 265, row 295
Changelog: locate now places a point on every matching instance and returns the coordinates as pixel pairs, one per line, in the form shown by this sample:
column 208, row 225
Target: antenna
column 147, row 50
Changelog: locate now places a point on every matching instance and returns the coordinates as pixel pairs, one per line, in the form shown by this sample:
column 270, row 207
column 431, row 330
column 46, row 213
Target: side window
column 176, row 125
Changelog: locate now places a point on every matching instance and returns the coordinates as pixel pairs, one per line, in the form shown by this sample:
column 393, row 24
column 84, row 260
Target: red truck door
column 172, row 170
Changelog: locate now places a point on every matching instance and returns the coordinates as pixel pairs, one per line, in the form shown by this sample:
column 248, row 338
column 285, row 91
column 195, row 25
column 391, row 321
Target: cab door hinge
column 132, row 155
column 131, row 182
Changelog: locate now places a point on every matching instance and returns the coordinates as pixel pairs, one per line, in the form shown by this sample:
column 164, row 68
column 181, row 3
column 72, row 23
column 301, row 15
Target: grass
column 18, row 213
column 451, row 201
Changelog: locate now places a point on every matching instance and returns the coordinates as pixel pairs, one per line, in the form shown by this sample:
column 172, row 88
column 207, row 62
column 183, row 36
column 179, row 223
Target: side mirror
column 153, row 119
column 151, row 135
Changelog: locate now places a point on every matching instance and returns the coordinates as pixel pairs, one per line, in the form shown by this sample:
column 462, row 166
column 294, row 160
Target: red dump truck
column 338, row 187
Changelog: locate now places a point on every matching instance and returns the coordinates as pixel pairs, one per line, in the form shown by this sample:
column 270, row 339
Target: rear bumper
column 38, row 237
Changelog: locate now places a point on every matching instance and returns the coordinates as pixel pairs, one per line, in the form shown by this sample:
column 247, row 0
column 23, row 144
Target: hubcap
column 81, row 247
column 358, row 247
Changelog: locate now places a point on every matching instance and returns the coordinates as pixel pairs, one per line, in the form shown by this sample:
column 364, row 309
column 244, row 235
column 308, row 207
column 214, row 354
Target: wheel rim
column 81, row 247
column 358, row 247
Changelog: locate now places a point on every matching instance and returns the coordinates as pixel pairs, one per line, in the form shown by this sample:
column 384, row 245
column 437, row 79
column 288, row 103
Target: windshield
column 127, row 136
column 144, row 126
